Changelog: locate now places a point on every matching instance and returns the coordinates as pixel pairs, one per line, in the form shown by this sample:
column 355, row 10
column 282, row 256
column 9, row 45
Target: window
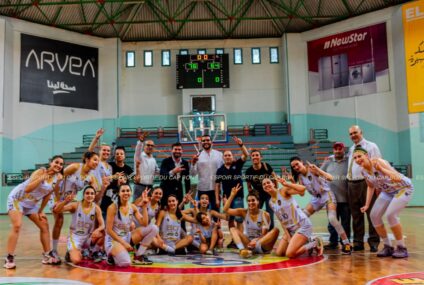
column 148, row 58
column 238, row 56
column 130, row 59
column 219, row 51
column 274, row 56
column 256, row 55
column 166, row 58
column 183, row 51
column 201, row 51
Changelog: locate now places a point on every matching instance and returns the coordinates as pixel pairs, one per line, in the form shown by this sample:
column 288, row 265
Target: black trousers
column 357, row 195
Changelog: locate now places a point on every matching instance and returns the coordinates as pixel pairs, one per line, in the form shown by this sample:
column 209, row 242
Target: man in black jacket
column 174, row 170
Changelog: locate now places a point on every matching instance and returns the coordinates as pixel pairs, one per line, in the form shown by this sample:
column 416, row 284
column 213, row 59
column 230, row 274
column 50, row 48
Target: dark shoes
column 331, row 246
column 386, row 251
column 400, row 252
column 373, row 248
column 358, row 248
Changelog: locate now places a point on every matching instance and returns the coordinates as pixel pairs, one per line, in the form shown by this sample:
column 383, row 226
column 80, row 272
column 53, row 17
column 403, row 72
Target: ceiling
column 145, row 20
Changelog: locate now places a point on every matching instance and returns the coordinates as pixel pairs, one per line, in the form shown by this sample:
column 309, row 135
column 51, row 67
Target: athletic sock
column 169, row 249
column 400, row 243
column 345, row 241
column 240, row 245
column 55, row 242
column 310, row 245
column 141, row 250
column 386, row 241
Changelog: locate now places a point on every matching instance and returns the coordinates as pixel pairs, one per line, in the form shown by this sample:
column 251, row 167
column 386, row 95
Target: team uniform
column 207, row 233
column 151, row 213
column 291, row 216
column 29, row 203
column 394, row 196
column 121, row 227
column 82, row 226
column 319, row 188
column 170, row 230
column 253, row 229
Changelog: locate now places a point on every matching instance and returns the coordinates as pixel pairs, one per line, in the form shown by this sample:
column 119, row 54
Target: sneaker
column 9, row 262
column 347, row 249
column 386, row 251
column 141, row 260
column 331, row 246
column 400, row 252
column 209, row 252
column 97, row 256
column 110, row 260
column 150, row 252
column 232, row 245
column 56, row 255
column 67, row 257
column 245, row 253
column 319, row 248
column 86, row 253
column 104, row 255
column 49, row 259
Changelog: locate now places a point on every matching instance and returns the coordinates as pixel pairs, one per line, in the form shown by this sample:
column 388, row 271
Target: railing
column 167, row 132
column 86, row 139
column 404, row 169
column 318, row 135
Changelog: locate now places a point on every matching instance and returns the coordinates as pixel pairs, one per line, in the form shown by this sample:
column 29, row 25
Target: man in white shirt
column 357, row 192
column 204, row 165
column 148, row 166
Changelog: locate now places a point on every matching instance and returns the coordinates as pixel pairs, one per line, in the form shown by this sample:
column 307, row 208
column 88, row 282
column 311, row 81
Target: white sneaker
column 9, row 262
column 319, row 246
column 49, row 259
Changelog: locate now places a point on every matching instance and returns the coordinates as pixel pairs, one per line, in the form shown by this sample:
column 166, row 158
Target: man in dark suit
column 174, row 170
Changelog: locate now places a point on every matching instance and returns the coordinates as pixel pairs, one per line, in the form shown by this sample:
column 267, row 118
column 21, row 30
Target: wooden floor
column 359, row 268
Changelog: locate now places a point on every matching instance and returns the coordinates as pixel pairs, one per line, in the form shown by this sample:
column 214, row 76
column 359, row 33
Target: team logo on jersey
column 92, row 217
column 279, row 202
column 259, row 224
column 309, row 177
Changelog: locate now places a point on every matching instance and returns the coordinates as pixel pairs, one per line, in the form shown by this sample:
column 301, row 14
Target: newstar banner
column 413, row 30
column 348, row 64
column 58, row 73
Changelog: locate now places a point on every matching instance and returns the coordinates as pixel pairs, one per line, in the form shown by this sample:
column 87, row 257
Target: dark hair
column 206, row 135
column 119, row 198
column 254, row 194
column 153, row 190
column 199, row 217
column 85, row 189
column 294, row 172
column 88, row 155
column 178, row 211
column 176, row 144
column 120, row 147
column 55, row 156
column 255, row 150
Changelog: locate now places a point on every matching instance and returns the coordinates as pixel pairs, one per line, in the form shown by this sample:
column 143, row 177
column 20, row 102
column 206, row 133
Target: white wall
column 152, row 90
column 37, row 131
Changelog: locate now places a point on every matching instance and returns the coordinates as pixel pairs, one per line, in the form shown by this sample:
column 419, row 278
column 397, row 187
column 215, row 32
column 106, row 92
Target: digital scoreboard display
column 203, row 71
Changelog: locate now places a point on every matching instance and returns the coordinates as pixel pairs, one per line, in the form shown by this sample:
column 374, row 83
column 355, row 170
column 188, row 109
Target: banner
column 348, row 64
column 58, row 73
column 413, row 31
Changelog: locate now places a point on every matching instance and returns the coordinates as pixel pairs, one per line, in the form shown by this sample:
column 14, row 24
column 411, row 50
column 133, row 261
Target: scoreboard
column 202, row 71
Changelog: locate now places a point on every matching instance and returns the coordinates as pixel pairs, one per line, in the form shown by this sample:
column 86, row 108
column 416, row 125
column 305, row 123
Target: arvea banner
column 58, row 73
column 352, row 63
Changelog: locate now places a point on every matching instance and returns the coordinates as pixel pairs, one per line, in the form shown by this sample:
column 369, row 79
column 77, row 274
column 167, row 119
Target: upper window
column 183, row 51
column 130, row 59
column 148, row 58
column 274, row 56
column 166, row 57
column 201, row 51
column 238, row 56
column 256, row 55
column 219, row 51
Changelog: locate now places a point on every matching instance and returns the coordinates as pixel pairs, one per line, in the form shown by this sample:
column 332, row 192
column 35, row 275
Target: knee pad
column 376, row 217
column 332, row 218
column 122, row 259
column 392, row 219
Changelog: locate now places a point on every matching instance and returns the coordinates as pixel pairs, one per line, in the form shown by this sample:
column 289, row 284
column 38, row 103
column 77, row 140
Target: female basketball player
column 119, row 238
column 77, row 175
column 316, row 182
column 153, row 207
column 82, row 232
column 296, row 225
column 256, row 235
column 396, row 191
column 24, row 200
column 172, row 237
